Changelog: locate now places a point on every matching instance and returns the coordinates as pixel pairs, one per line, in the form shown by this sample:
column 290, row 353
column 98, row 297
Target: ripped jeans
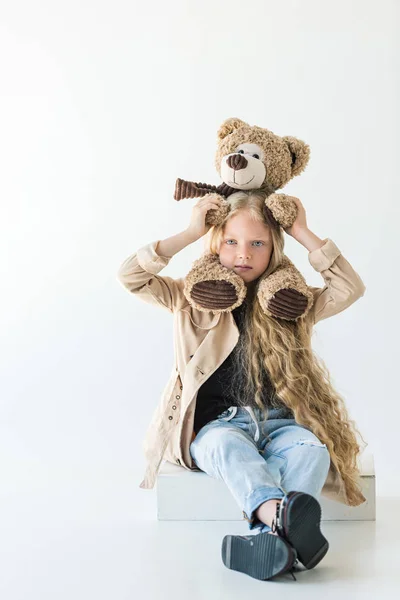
column 260, row 459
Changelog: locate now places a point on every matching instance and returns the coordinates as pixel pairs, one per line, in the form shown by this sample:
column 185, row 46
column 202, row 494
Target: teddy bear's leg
column 284, row 293
column 209, row 286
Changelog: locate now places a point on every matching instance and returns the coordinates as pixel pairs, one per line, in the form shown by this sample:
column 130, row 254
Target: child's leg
column 227, row 452
column 266, row 512
column 299, row 458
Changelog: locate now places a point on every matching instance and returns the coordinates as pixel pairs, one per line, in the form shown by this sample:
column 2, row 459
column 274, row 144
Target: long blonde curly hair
column 300, row 379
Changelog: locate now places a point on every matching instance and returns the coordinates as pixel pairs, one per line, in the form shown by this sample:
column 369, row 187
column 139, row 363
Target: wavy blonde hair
column 300, row 379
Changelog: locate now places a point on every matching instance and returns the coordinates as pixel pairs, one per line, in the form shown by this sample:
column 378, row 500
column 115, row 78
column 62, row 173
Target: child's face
column 246, row 241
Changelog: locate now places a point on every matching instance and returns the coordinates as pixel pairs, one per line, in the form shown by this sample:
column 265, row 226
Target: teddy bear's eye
column 256, row 156
column 240, row 151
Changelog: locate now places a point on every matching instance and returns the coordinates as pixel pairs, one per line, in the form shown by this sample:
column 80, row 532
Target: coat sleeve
column 138, row 274
column 343, row 286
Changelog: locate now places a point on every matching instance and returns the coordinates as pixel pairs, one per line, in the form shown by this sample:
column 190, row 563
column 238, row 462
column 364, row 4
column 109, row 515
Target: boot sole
column 301, row 528
column 261, row 556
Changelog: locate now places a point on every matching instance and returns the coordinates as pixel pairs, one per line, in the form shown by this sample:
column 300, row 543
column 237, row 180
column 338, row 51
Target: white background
column 103, row 105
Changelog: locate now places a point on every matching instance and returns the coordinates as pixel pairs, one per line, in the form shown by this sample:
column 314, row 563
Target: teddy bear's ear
column 300, row 152
column 228, row 126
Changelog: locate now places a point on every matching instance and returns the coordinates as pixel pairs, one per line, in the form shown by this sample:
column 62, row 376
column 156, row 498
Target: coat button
column 174, row 407
column 178, row 461
column 177, row 397
column 181, row 387
column 170, row 418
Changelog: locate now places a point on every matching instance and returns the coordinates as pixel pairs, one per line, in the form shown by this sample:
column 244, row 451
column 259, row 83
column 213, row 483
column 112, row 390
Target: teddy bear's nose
column 237, row 162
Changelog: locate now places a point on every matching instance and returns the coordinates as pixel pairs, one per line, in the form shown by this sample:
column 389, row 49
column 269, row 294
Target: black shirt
column 212, row 396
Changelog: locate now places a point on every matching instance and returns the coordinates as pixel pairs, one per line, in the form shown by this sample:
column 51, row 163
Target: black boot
column 261, row 556
column 297, row 520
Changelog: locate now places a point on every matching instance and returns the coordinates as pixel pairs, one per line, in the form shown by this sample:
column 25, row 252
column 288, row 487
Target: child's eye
column 256, row 241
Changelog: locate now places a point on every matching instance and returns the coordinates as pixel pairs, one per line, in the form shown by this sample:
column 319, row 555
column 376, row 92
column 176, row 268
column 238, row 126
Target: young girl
column 267, row 421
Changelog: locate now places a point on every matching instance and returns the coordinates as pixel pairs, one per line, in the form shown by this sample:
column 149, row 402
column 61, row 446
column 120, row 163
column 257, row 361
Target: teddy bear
column 250, row 158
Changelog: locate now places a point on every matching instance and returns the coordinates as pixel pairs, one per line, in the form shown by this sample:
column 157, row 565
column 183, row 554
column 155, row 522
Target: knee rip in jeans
column 312, row 443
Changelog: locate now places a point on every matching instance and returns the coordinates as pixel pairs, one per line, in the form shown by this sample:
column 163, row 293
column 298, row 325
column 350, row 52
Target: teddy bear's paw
column 215, row 216
column 283, row 208
column 210, row 286
column 288, row 304
column 285, row 293
column 214, row 295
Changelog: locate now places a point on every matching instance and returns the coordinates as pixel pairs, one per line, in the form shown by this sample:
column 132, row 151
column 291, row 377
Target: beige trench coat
column 203, row 340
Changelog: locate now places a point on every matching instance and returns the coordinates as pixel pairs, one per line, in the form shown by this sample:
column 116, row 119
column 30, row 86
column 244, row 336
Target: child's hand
column 198, row 227
column 300, row 223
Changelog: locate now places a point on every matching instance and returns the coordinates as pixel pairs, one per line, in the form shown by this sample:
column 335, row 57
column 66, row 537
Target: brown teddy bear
column 250, row 158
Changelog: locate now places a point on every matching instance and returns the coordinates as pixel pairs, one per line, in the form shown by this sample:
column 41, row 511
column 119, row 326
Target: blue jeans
column 260, row 459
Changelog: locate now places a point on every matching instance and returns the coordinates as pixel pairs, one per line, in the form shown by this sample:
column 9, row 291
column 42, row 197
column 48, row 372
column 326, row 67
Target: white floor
column 97, row 538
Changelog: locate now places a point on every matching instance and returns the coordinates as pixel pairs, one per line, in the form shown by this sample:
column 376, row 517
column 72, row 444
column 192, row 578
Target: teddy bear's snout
column 237, row 162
